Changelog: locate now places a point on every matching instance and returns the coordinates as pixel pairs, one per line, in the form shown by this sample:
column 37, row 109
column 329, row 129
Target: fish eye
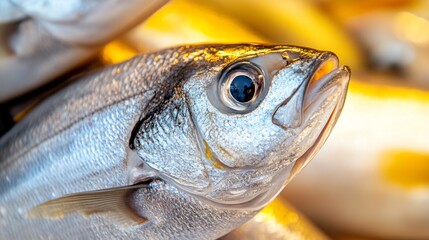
column 240, row 87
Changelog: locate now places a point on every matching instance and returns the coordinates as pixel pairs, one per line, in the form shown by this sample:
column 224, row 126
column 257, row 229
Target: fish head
column 260, row 114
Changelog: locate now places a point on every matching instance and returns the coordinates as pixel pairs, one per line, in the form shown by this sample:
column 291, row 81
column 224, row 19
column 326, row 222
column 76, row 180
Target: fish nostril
column 290, row 57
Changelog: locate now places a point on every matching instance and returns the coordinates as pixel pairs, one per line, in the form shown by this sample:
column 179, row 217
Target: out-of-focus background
column 371, row 179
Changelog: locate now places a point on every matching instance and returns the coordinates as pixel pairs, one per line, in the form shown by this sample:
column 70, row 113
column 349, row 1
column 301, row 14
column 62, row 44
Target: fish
column 277, row 221
column 65, row 34
column 188, row 142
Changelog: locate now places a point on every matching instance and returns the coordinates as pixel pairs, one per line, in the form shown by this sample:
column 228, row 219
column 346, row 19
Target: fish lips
column 325, row 79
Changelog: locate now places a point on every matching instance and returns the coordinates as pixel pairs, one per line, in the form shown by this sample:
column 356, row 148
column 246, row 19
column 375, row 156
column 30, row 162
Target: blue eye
column 242, row 88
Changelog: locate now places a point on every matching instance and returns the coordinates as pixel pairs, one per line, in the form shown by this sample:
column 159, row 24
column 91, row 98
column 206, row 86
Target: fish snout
column 325, row 79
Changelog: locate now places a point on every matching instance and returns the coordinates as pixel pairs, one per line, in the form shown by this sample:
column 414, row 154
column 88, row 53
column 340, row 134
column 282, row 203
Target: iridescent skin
column 217, row 168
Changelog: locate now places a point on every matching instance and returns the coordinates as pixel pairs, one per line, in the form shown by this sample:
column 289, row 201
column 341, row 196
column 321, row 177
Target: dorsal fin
column 112, row 201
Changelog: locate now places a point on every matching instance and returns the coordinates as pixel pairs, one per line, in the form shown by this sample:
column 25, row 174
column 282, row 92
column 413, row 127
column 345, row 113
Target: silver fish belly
column 180, row 117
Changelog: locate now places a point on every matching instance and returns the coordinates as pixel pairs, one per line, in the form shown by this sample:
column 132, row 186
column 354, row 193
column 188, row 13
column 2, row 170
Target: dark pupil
column 242, row 88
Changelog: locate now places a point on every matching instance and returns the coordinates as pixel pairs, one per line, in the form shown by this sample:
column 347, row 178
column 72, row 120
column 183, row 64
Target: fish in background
column 277, row 221
column 41, row 40
column 393, row 34
column 188, row 142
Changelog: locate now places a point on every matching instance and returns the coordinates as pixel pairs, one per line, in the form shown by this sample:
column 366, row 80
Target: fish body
column 214, row 156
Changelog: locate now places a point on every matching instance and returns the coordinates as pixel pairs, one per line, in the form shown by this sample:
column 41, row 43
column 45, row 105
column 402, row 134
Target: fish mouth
column 325, row 80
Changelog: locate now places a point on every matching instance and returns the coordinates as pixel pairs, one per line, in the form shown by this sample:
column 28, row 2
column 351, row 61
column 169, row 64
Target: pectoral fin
column 113, row 201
